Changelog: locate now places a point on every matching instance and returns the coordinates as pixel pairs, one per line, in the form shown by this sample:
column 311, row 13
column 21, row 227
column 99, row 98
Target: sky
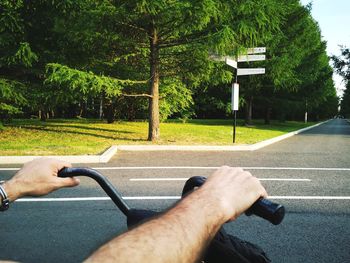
column 333, row 17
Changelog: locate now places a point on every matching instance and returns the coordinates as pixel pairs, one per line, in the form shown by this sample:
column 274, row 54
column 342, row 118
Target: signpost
column 242, row 72
column 250, row 71
column 249, row 58
column 256, row 50
column 235, row 96
column 231, row 62
column 234, row 106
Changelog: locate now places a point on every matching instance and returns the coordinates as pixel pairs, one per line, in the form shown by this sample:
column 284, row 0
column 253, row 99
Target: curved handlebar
column 110, row 190
column 264, row 208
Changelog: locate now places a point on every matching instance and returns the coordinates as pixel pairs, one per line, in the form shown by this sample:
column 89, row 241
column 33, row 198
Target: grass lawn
column 73, row 137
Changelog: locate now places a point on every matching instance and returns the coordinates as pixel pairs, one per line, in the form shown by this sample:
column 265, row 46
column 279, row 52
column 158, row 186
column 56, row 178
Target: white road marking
column 286, row 179
column 75, row 199
column 63, row 199
column 205, row 168
column 184, row 179
column 156, row 179
column 297, row 168
column 310, row 197
column 216, row 167
column 154, row 168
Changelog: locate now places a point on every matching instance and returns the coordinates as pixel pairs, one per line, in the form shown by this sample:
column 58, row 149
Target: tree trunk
column 43, row 115
column 248, row 112
column 101, row 108
column 268, row 115
column 110, row 111
column 305, row 115
column 153, row 108
column 82, row 108
column 131, row 115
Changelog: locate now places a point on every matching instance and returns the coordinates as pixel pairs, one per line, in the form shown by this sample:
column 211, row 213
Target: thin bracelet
column 4, row 205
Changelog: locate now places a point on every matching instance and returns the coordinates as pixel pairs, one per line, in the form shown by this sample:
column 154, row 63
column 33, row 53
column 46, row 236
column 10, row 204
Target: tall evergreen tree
column 168, row 43
column 298, row 71
column 16, row 58
column 342, row 66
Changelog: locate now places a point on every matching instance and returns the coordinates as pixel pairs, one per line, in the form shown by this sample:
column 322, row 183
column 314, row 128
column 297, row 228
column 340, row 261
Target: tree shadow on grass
column 88, row 128
column 257, row 124
column 209, row 122
column 266, row 127
column 47, row 128
column 45, row 125
column 278, row 126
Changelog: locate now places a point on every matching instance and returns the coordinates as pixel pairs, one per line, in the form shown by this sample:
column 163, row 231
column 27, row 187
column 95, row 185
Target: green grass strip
column 75, row 137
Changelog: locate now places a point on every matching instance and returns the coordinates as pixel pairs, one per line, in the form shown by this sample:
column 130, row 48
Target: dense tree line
column 152, row 59
column 342, row 65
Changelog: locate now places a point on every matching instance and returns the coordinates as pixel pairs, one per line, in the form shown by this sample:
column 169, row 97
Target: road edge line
column 265, row 143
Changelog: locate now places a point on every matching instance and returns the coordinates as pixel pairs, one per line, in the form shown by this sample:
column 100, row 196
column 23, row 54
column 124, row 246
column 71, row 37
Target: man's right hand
column 234, row 189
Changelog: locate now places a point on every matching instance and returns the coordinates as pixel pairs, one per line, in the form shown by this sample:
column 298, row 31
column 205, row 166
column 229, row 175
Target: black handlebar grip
column 268, row 210
column 65, row 172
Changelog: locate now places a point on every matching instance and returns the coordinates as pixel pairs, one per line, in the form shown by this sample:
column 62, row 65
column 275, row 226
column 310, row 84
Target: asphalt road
column 309, row 173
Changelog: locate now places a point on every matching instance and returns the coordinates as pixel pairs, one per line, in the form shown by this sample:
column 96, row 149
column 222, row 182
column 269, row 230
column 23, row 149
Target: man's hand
column 234, row 189
column 38, row 177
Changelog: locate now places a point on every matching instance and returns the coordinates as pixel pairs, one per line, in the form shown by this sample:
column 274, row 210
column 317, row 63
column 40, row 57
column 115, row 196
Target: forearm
column 179, row 235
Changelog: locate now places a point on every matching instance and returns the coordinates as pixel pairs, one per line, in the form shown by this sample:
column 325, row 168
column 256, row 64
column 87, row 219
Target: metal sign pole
column 235, row 113
column 234, row 126
column 252, row 54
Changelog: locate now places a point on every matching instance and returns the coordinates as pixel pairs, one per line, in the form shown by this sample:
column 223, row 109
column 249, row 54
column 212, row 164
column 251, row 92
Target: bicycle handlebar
column 264, row 208
column 110, row 190
column 268, row 210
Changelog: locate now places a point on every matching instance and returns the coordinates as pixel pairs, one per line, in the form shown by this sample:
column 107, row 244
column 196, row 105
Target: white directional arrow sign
column 250, row 71
column 248, row 58
column 256, row 50
column 231, row 62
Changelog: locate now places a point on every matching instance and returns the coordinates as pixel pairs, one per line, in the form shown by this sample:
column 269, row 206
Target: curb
column 262, row 144
column 103, row 158
column 181, row 148
column 110, row 152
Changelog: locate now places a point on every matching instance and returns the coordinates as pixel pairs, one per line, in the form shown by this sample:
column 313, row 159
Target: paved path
column 308, row 173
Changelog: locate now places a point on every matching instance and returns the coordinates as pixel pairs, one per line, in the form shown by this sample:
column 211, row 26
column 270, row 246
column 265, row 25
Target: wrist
column 4, row 200
column 12, row 190
column 221, row 205
column 213, row 206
